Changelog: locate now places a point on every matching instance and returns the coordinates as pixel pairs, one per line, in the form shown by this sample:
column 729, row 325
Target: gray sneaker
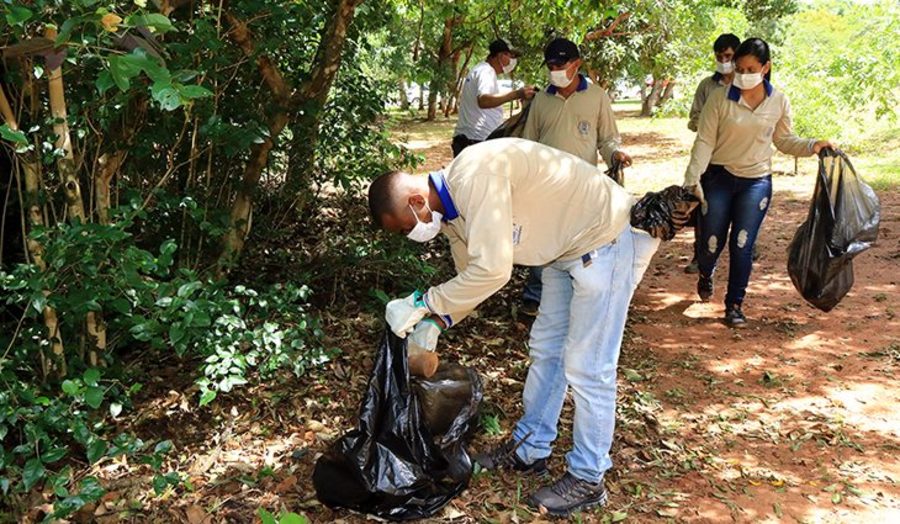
column 569, row 494
column 504, row 456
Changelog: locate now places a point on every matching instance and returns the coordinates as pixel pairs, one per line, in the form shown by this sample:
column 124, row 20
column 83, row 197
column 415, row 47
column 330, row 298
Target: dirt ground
column 792, row 419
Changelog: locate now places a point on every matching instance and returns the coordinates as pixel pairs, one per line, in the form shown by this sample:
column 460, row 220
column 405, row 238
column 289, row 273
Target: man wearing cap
column 480, row 101
column 723, row 49
column 574, row 116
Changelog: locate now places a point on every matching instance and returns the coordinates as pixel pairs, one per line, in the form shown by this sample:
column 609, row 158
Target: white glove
column 402, row 314
column 424, row 337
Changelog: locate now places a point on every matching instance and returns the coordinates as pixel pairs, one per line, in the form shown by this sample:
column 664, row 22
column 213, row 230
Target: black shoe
column 530, row 307
column 734, row 317
column 704, row 287
column 504, row 456
column 693, row 268
column 569, row 494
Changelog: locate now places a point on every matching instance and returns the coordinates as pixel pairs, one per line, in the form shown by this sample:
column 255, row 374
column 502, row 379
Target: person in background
column 480, row 101
column 572, row 115
column 723, row 48
column 731, row 165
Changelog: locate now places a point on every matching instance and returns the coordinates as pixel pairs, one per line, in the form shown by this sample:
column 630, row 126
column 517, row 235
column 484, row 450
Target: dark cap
column 501, row 46
column 560, row 51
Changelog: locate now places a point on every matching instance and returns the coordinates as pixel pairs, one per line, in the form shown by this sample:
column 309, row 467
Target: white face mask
column 425, row 231
column 560, row 78
column 747, row 80
column 724, row 67
column 510, row 66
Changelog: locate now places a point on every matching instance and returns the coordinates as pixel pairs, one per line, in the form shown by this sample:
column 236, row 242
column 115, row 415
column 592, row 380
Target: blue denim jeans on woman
column 575, row 343
column 740, row 204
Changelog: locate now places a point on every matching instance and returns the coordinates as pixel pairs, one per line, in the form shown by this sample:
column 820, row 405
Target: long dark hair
column 758, row 48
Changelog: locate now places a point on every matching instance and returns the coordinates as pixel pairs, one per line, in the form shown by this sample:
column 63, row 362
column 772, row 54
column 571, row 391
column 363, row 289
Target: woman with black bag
column 730, row 169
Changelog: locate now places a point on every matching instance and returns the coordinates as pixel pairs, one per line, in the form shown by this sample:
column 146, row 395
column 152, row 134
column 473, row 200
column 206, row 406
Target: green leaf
column 194, row 91
column 53, row 455
column 163, row 446
column 70, row 387
column 34, row 471
column 168, row 97
column 157, row 21
column 60, row 481
column 208, row 396
column 619, row 516
column 93, row 396
column 91, row 376
column 121, row 72
column 836, row 497
column 104, row 82
column 186, row 289
column 96, row 450
column 176, row 333
column 266, row 517
column 17, row 15
column 91, row 489
column 293, row 518
column 13, row 135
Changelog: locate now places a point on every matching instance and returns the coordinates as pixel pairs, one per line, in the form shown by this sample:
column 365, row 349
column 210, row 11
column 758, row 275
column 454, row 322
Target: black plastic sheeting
column 407, row 458
column 842, row 222
column 664, row 213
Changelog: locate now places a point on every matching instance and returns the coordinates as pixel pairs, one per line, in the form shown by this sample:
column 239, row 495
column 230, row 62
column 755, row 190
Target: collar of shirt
column 582, row 85
column 734, row 94
column 717, row 76
column 440, row 184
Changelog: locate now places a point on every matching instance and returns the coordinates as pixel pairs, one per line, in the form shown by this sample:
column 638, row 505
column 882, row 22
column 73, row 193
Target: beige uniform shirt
column 732, row 135
column 520, row 202
column 706, row 87
column 581, row 125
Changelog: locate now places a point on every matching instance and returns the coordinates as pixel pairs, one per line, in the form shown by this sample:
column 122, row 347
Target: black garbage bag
column 842, row 222
column 514, row 126
column 664, row 213
column 407, row 458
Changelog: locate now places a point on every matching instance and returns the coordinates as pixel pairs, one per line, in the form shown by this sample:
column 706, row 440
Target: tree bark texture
column 66, row 164
column 56, row 364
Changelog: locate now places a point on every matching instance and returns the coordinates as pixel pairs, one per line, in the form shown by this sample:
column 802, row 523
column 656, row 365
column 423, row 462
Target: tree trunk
column 96, row 329
column 667, row 92
column 242, row 209
column 55, row 365
column 441, row 73
column 108, row 165
column 652, row 99
column 313, row 92
column 421, row 97
column 404, row 99
column 313, row 95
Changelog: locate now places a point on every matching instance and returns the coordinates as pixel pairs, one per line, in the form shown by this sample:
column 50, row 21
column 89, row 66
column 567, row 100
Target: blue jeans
column 532, row 289
column 738, row 203
column 575, row 343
